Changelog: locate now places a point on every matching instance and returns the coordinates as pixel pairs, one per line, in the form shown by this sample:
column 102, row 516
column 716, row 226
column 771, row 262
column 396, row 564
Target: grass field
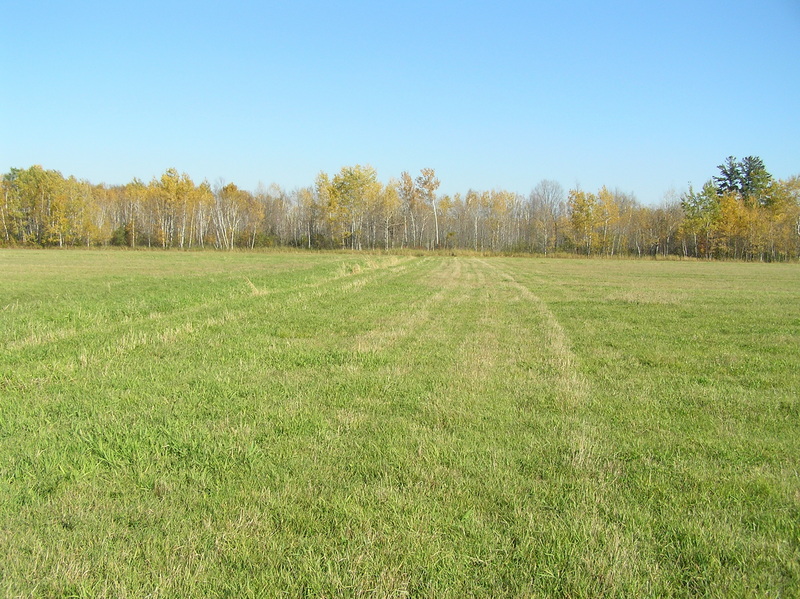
column 307, row 425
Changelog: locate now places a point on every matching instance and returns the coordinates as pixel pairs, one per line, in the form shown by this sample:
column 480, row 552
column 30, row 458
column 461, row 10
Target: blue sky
column 640, row 96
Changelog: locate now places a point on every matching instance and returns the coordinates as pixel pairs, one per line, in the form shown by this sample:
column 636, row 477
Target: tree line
column 742, row 213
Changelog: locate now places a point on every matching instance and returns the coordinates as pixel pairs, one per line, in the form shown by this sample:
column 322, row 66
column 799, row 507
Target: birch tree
column 427, row 184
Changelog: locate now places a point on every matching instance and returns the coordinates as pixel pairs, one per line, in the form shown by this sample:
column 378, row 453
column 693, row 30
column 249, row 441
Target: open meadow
column 178, row 424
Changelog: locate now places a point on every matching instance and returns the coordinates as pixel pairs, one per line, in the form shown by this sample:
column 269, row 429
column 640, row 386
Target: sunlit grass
column 208, row 424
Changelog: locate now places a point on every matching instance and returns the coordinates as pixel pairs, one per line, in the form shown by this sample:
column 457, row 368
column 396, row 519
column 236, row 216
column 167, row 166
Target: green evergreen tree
column 748, row 178
column 755, row 180
column 730, row 178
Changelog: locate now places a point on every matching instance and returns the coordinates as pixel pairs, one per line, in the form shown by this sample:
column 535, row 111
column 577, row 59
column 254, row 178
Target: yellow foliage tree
column 582, row 210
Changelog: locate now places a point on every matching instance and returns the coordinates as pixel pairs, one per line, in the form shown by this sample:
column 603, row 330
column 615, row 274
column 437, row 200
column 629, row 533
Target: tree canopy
column 747, row 178
column 741, row 213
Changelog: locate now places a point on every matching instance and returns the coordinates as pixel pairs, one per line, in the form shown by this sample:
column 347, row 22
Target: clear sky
column 642, row 96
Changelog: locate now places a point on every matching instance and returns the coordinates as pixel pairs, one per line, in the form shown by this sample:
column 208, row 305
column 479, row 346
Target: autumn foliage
column 741, row 214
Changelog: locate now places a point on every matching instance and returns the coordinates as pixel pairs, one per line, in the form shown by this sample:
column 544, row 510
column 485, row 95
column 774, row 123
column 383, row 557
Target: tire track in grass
column 480, row 350
column 489, row 433
column 344, row 271
column 379, row 437
column 404, row 323
column 227, row 310
column 607, row 557
column 385, row 349
column 79, row 349
column 572, row 386
column 353, row 276
column 437, row 429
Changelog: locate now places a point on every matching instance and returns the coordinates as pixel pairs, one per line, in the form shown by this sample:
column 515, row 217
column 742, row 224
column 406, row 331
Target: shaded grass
column 316, row 425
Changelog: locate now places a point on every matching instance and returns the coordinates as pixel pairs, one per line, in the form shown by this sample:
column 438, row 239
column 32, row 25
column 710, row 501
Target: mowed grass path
column 303, row 425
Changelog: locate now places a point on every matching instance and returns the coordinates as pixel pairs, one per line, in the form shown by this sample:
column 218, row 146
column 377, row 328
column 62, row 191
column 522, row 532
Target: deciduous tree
column 582, row 208
column 427, row 184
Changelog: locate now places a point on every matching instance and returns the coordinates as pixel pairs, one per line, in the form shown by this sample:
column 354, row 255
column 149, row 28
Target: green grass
column 308, row 425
